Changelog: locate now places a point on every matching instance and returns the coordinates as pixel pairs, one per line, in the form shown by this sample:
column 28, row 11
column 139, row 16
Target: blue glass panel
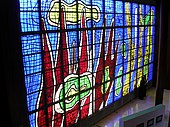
column 111, row 97
column 135, row 16
column 109, row 6
column 110, row 19
column 32, row 101
column 135, row 54
column 152, row 57
column 147, row 9
column 118, row 70
column 119, row 38
column 126, row 68
column 153, row 33
column 132, row 80
column 150, row 72
column 150, row 76
column 118, row 19
column 119, row 58
column 29, row 21
column 126, row 44
column 134, row 8
column 126, row 56
column 32, row 120
column 135, row 64
column 31, row 44
column 126, row 35
column 118, row 7
column 28, row 5
column 135, row 38
column 153, row 48
column 147, row 36
column 154, row 10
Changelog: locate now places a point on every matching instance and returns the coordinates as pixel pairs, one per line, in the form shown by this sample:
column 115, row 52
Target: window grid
column 75, row 66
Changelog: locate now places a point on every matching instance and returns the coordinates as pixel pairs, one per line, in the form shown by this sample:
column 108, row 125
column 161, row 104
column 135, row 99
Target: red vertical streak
column 58, row 119
column 62, row 50
column 108, row 58
column 47, row 90
column 71, row 115
column 84, row 64
column 84, row 55
column 99, row 74
column 85, row 108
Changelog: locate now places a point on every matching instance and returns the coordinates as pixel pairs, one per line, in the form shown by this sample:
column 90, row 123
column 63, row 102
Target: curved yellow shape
column 70, row 12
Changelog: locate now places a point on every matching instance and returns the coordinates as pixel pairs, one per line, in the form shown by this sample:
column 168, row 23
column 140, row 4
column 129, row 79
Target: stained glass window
column 81, row 56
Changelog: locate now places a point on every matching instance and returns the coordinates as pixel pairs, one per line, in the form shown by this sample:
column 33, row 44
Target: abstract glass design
column 81, row 56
